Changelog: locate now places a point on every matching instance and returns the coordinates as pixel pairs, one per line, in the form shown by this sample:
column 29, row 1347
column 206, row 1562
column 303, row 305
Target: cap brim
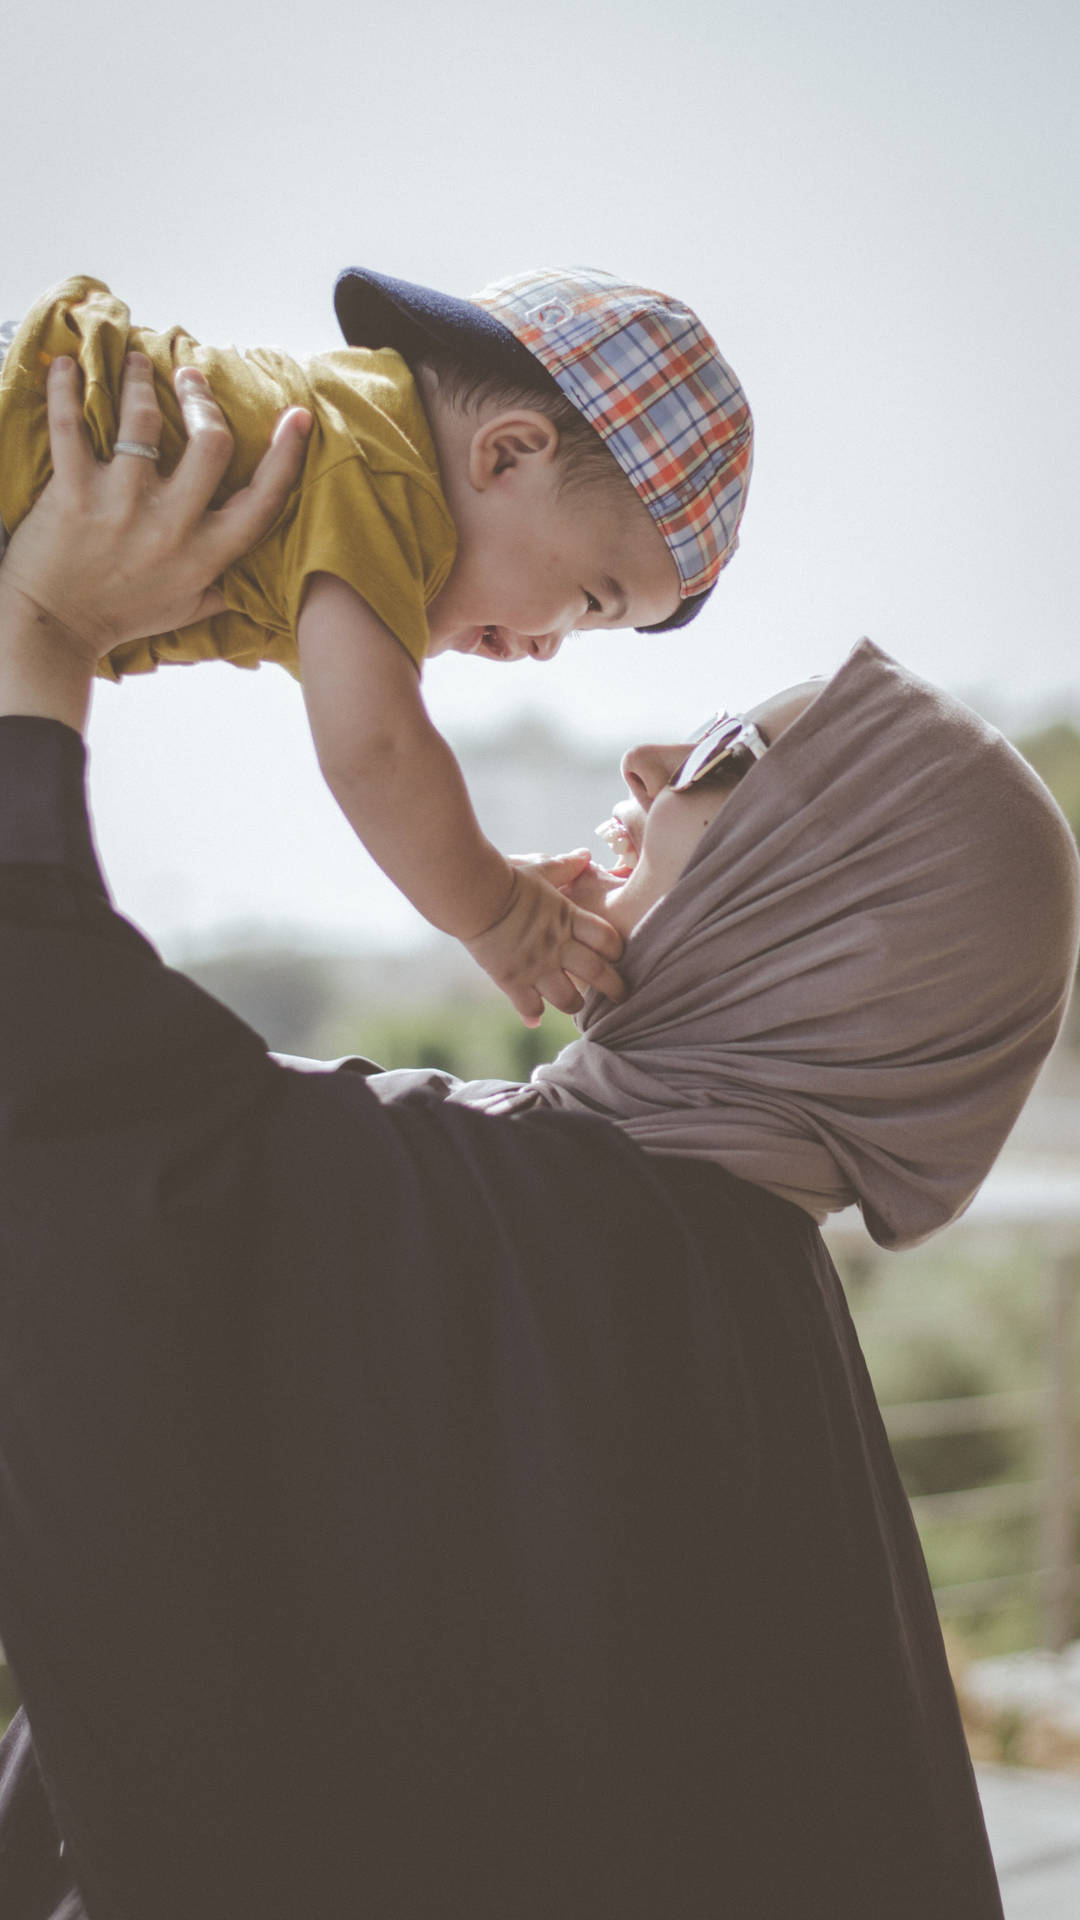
column 374, row 310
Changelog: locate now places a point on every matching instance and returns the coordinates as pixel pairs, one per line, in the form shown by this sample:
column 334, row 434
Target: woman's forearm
column 42, row 671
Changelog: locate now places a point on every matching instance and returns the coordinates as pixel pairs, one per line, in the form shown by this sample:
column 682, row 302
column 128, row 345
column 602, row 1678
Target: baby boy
column 561, row 452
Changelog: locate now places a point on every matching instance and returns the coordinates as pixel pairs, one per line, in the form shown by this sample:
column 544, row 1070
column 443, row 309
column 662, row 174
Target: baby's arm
column 402, row 792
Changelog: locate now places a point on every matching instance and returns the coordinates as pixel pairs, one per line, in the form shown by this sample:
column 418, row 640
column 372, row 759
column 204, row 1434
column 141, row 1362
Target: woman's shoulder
column 588, row 1169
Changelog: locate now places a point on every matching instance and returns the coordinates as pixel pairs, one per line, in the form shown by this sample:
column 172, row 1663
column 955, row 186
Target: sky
column 875, row 209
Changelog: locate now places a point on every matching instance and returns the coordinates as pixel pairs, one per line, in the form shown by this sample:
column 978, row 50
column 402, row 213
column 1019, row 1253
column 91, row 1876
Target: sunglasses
column 726, row 737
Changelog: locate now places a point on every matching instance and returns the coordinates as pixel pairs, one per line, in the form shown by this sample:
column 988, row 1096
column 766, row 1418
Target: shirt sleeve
column 380, row 533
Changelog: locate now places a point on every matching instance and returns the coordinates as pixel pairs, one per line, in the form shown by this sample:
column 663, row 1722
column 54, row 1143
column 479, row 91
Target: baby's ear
column 507, row 441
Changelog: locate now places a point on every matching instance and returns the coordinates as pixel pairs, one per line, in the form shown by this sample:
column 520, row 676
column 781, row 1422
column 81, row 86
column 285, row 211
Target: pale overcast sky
column 874, row 207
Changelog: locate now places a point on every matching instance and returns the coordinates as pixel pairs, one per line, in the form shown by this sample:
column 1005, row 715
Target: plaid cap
column 644, row 372
column 638, row 366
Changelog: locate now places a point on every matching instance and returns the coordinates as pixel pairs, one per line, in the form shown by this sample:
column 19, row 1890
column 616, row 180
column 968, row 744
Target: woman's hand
column 111, row 551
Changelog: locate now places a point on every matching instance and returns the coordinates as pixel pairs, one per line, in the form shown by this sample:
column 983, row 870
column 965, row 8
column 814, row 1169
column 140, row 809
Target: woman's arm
column 112, row 551
column 130, row 1220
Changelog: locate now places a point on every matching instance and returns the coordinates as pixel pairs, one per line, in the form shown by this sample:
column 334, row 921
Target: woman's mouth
column 616, row 836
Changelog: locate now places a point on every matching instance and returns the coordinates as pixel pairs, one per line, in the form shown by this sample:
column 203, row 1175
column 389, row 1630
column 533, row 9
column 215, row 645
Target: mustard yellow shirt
column 368, row 506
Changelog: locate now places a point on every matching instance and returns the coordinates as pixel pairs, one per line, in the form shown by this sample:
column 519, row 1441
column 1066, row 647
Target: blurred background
column 875, row 209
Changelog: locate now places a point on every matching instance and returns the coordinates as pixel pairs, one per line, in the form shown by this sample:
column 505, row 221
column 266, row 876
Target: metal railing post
column 1057, row 1529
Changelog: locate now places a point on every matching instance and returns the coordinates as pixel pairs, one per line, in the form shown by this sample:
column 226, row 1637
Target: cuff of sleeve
column 43, row 813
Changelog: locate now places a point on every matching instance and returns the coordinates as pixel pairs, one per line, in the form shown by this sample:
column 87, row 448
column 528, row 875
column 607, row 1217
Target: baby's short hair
column 584, row 460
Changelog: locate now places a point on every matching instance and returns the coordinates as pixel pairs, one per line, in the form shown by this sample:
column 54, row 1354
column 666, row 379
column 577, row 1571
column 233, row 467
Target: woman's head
column 656, row 829
column 847, row 990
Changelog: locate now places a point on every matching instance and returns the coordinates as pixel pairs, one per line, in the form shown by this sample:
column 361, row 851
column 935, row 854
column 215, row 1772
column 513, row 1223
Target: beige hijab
column 850, row 990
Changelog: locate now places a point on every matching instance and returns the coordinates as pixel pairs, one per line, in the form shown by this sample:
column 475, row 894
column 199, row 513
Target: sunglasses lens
column 711, row 748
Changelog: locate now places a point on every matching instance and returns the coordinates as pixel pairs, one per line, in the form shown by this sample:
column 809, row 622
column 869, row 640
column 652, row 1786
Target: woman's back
column 574, row 1515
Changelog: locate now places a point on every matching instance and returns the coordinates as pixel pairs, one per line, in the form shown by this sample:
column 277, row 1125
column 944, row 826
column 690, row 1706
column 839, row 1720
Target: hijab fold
column 849, row 992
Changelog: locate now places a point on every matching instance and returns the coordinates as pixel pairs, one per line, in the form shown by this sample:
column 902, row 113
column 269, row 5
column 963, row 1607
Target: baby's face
column 535, row 563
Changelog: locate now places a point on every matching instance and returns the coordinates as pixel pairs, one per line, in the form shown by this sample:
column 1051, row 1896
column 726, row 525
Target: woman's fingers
column 112, row 551
column 72, row 457
column 138, row 422
column 250, row 514
column 206, row 457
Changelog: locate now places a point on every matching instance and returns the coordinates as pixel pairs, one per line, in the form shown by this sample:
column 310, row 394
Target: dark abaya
column 410, row 1513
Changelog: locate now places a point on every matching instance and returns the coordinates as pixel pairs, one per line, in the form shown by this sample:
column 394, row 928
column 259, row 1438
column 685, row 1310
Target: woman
column 847, row 956
column 411, row 1511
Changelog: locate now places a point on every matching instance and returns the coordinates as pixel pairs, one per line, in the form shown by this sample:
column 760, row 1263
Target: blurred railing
column 1048, row 1205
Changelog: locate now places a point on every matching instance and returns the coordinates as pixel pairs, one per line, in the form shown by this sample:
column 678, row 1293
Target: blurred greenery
column 9, row 1695
column 952, row 1319
column 475, row 1041
column 1054, row 752
column 414, row 1010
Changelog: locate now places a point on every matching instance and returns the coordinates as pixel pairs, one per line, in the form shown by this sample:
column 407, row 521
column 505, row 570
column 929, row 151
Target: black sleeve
column 97, row 1036
column 130, row 1110
column 43, row 817
column 48, row 867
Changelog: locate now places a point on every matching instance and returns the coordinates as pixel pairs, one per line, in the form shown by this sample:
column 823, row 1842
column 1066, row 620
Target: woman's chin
column 598, row 889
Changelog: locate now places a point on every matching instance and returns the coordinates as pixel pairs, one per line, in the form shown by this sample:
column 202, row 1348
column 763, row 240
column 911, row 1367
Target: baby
column 561, row 452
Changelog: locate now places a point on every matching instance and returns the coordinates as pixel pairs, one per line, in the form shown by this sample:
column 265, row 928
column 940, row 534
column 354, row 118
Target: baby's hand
column 544, row 946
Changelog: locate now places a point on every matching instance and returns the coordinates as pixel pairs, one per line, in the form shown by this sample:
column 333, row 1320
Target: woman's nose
column 647, row 770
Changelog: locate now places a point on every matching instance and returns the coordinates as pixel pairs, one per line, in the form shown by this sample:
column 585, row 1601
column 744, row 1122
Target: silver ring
column 136, row 446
